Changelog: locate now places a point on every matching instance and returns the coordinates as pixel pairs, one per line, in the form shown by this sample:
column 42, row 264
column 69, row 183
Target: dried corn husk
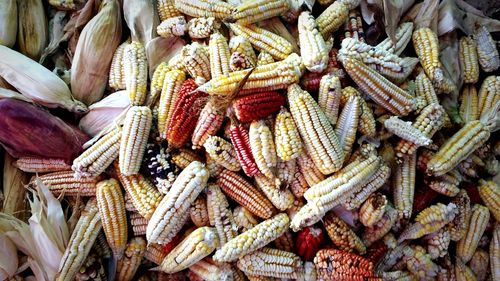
column 162, row 49
column 13, row 188
column 33, row 33
column 56, row 33
column 104, row 112
column 142, row 19
column 9, row 94
column 458, row 14
column 94, row 52
column 67, row 4
column 9, row 261
column 8, row 22
column 36, row 82
column 28, row 130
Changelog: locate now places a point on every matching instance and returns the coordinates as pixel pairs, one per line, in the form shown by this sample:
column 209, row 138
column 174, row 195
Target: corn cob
column 197, row 245
column 264, row 58
column 241, row 142
column 373, row 183
column 204, row 8
column 311, row 174
column 257, row 106
column 489, row 94
column 468, row 60
column 381, row 227
column 348, row 124
column 128, row 265
column 138, row 223
column 256, row 11
column 490, row 194
column 495, row 253
column 160, row 166
column 353, row 28
column 199, row 212
column 333, row 17
column 419, row 263
column 91, row 269
column 242, row 54
column 167, row 9
column 209, row 271
column 184, row 157
column 469, row 104
column 403, row 37
column 129, row 205
column 93, row 161
column 286, row 172
column 243, row 219
column 406, row 131
column 41, row 165
column 479, row 264
column 424, row 91
column 167, row 219
column 174, row 26
column 263, row 148
column 144, row 195
column 220, row 215
column 136, row 127
column 313, row 48
column 309, row 241
column 202, row 27
column 333, row 264
column 487, row 52
column 463, row 272
column 116, row 71
column 185, row 114
column 318, row 135
column 288, row 142
column 219, row 55
column 157, row 81
column 65, row 183
column 241, row 191
column 222, row 152
column 208, row 124
column 176, row 63
column 310, row 80
column 271, row 262
column 329, row 96
column 477, row 224
column 282, row 199
column 285, row 242
column 80, row 242
column 367, row 121
column 253, row 239
column 459, row 224
column 264, row 40
column 426, row 46
column 342, row 235
column 155, row 253
column 196, row 59
column 135, row 69
column 373, row 209
column 447, row 184
column 437, row 243
column 378, row 88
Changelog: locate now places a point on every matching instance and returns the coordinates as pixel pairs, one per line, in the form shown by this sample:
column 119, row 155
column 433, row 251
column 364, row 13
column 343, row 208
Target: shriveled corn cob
column 348, row 124
column 487, row 52
column 329, row 95
column 286, row 136
column 311, row 174
column 271, row 262
column 253, row 239
column 469, row 103
column 202, row 27
column 419, row 263
column 93, row 161
column 313, row 48
column 264, row 58
column 490, row 194
column 426, row 46
column 242, row 54
column 86, row 230
column 138, row 223
column 158, row 161
column 210, row 271
column 374, row 182
column 222, row 152
column 135, row 69
column 208, row 124
column 256, row 11
column 241, row 142
column 458, row 226
column 136, row 127
column 204, row 8
column 199, row 212
column 489, row 94
column 477, row 225
column 41, row 165
column 184, row 157
column 219, row 55
column 175, row 26
column 403, row 37
column 244, row 219
column 333, row 264
column 373, row 209
column 128, row 265
column 494, row 250
column 65, row 183
column 282, row 199
column 220, row 216
column 333, row 17
column 196, row 59
column 318, row 135
column 367, row 121
column 342, row 235
column 167, row 219
column 197, row 245
column 437, row 243
column 116, row 71
column 112, row 211
column 479, row 264
column 167, row 9
column 381, row 227
column 241, row 191
column 263, row 148
column 468, row 59
column 257, row 106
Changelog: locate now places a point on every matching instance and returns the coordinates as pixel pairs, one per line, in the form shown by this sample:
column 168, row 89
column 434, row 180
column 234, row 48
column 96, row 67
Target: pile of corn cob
column 276, row 143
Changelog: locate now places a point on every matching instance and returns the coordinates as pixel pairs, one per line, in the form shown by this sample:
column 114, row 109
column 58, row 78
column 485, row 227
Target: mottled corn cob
column 477, row 224
column 313, row 48
column 241, row 191
column 202, row 27
column 167, row 9
column 348, row 124
column 136, row 127
column 175, row 26
column 381, row 227
column 65, row 183
column 366, row 124
column 263, row 148
column 167, row 219
column 241, row 142
column 419, row 263
column 160, row 166
column 426, row 46
column 128, row 265
column 138, row 223
column 479, row 264
column 222, row 152
column 333, row 264
column 93, row 161
column 459, row 224
column 257, row 106
column 329, row 95
column 196, row 59
column 258, row 10
column 494, row 250
column 282, row 199
column 333, row 17
column 490, row 194
column 353, row 28
column 487, row 52
column 489, row 94
column 373, row 183
column 243, row 219
column 135, row 68
column 271, row 262
column 184, row 157
column 318, row 135
column 437, row 243
column 253, row 239
column 219, row 55
column 208, row 124
column 264, row 58
column 91, row 269
column 468, row 59
column 342, row 235
column 41, row 165
column 242, row 54
column 373, row 209
column 469, row 104
column 116, row 71
column 311, row 174
column 204, row 8
column 210, row 271
column 403, row 37
column 286, row 136
column 220, row 216
column 197, row 245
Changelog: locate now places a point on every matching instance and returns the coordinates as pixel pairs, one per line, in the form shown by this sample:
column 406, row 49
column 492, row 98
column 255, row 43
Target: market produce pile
column 249, row 140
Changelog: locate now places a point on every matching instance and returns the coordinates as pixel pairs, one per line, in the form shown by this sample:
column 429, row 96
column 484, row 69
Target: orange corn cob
column 332, row 264
column 41, row 165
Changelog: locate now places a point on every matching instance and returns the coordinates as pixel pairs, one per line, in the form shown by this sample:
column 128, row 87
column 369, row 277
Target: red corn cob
column 208, row 124
column 185, row 115
column 332, row 264
column 257, row 106
column 308, row 242
column 240, row 140
column 310, row 80
column 376, row 251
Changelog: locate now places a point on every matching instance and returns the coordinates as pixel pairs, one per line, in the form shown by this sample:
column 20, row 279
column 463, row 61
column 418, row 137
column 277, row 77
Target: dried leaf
column 9, row 94
column 8, row 22
column 375, row 10
column 427, row 16
column 56, row 33
column 13, row 188
column 33, row 33
column 455, row 14
column 142, row 19
column 8, row 262
column 162, row 49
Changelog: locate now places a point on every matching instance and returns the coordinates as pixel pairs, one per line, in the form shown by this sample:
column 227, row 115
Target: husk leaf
column 9, row 94
column 455, row 14
column 142, row 19
column 162, row 49
column 33, row 33
column 13, row 188
column 56, row 33
column 8, row 22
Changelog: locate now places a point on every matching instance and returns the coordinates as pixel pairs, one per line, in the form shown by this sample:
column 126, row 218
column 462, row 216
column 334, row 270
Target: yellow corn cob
column 424, row 91
column 184, row 157
column 93, row 161
column 202, row 27
column 167, row 219
column 135, row 135
column 348, row 124
column 263, row 148
column 437, row 243
column 469, row 104
column 479, row 264
column 264, row 58
column 381, row 227
column 196, row 59
column 404, row 186
column 380, row 90
column 282, row 199
column 219, row 55
column 419, row 263
column 329, row 95
column 316, row 131
column 116, row 71
column 468, row 60
column 220, row 215
column 174, row 26
column 463, row 272
column 403, row 37
column 65, row 183
column 373, row 209
column 210, row 271
column 313, row 48
column 333, row 17
column 495, row 253
column 288, row 142
column 487, row 52
column 426, row 46
column 366, row 124
column 138, row 223
column 243, row 219
column 128, row 265
column 271, row 262
column 489, row 94
column 222, row 152
column 197, row 245
column 253, row 239
column 112, row 211
column 264, row 40
column 342, row 235
column 169, row 94
column 41, row 165
column 157, row 81
column 312, row 175
column 135, row 69
column 242, row 54
column 373, row 183
column 167, row 9
column 84, row 234
column 258, row 10
column 175, row 62
column 490, row 194
column 204, row 8
column 199, row 212
column 459, row 224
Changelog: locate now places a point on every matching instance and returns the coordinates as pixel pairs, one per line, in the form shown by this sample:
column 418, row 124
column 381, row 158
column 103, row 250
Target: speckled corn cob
column 381, row 227
column 367, row 121
column 282, row 199
column 92, row 268
column 196, row 59
column 202, row 27
column 312, row 175
column 219, row 55
column 468, row 59
column 160, row 166
column 353, row 28
column 489, row 94
column 263, row 148
column 138, row 223
column 333, row 264
column 419, row 263
column 342, row 235
column 479, row 264
column 128, row 265
column 318, row 135
column 313, row 48
column 244, row 219
column 494, row 251
column 378, row 88
column 264, row 58
column 329, row 96
column 333, row 17
column 175, row 26
column 220, row 216
column 136, row 127
column 65, row 183
column 210, row 271
column 167, row 219
column 199, row 212
column 242, row 54
column 241, row 191
column 458, row 226
column 477, row 224
column 403, row 37
column 286, row 136
column 347, row 124
column 241, row 142
column 135, row 72
column 86, row 230
column 373, row 183
column 487, row 52
column 116, row 71
column 222, row 152
column 208, row 124
column 41, row 165
column 490, row 194
column 93, row 161
column 271, row 262
column 264, row 40
column 204, row 8
column 373, row 209
column 167, row 9
column 256, row 11
column 437, row 243
column 469, row 104
column 253, row 239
